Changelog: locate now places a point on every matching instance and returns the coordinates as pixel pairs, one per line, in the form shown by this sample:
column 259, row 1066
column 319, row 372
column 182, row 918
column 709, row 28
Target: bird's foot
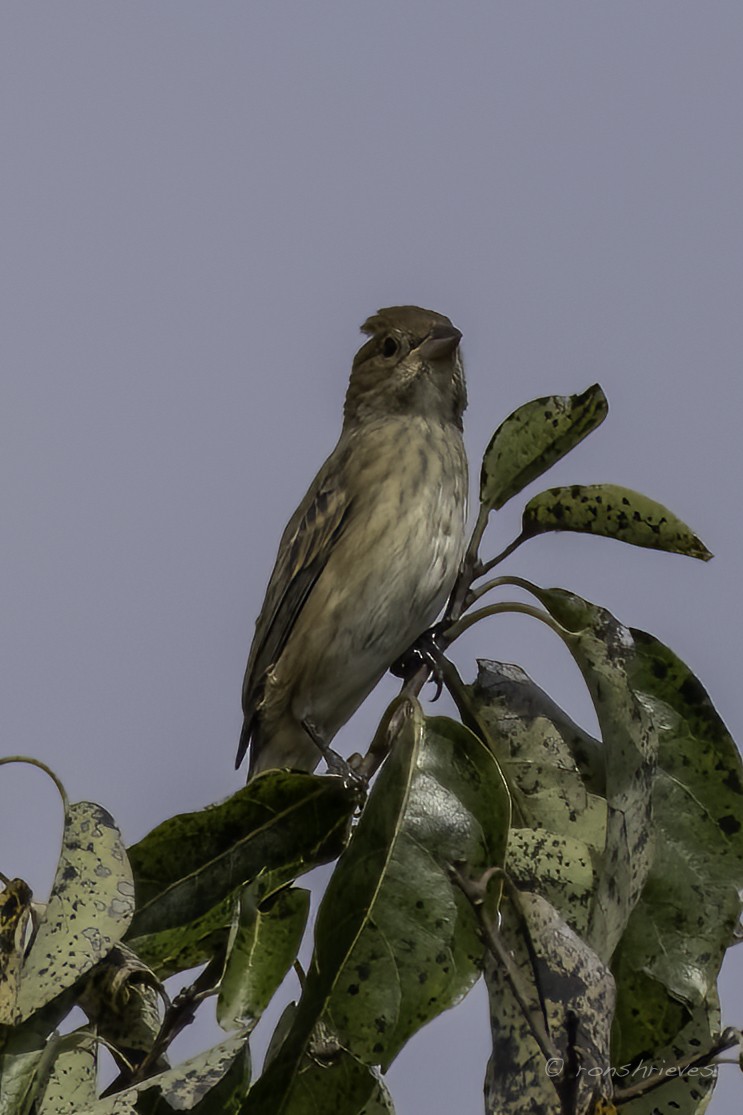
column 336, row 764
column 426, row 650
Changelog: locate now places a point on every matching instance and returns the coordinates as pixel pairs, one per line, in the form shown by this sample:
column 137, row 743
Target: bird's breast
column 409, row 541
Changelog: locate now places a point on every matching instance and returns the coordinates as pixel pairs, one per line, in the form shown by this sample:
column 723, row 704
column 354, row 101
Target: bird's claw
column 424, row 651
column 336, row 764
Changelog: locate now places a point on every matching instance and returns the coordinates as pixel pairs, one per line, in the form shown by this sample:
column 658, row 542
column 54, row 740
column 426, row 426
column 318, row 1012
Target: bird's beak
column 441, row 341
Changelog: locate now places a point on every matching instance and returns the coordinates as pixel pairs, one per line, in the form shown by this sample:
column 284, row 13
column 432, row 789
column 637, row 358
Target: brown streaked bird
column 369, row 557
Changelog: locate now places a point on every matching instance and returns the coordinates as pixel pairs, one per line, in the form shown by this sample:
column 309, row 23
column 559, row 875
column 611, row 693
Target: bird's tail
column 242, row 747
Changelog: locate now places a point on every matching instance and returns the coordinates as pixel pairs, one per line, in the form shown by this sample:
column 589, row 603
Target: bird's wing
column 306, row 545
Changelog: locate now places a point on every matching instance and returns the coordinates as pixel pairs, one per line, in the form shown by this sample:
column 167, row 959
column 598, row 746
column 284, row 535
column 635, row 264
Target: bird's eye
column 389, row 346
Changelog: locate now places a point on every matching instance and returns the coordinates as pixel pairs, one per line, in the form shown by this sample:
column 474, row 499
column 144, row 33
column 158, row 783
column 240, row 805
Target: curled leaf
column 90, row 908
column 15, row 916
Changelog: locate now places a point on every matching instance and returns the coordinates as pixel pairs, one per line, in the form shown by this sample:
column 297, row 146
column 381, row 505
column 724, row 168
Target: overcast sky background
column 199, row 204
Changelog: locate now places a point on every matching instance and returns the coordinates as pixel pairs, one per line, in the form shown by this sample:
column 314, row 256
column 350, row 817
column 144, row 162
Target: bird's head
column 410, row 365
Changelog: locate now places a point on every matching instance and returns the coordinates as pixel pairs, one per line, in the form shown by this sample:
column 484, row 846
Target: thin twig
column 475, row 891
column 485, row 567
column 727, row 1040
column 180, row 1014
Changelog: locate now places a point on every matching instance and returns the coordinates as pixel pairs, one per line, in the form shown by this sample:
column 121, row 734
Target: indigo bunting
column 370, row 556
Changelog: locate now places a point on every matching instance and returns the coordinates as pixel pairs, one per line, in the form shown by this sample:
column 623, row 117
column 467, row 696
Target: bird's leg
column 425, row 650
column 336, row 763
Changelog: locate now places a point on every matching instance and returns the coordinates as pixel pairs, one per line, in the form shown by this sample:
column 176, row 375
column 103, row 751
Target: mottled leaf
column 15, row 917
column 396, row 942
column 675, row 940
column 417, row 950
column 90, row 907
column 557, row 867
column 264, row 942
column 533, row 438
column 525, row 723
column 209, row 1083
column 281, row 824
column 684, row 1091
column 71, row 1084
column 26, row 1053
column 536, row 745
column 612, row 512
column 604, row 652
column 557, row 823
column 186, row 946
column 577, row 992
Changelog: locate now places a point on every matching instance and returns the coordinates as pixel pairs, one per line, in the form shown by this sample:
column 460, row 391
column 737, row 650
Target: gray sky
column 199, row 205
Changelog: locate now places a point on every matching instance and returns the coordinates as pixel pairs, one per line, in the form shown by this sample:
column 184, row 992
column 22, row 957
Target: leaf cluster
column 593, row 883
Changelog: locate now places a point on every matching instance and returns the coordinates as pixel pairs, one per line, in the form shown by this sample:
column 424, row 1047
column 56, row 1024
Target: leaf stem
column 467, row 621
column 180, row 1014
column 475, row 593
column 485, row 567
column 470, row 565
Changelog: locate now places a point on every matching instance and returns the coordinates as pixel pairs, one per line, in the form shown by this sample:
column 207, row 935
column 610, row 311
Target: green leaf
column 396, row 942
column 22, row 1052
column 540, row 751
column 572, row 981
column 394, row 935
column 331, row 1079
column 281, row 824
column 263, row 945
column 675, row 940
column 18, row 1074
column 605, row 654
column 533, row 438
column 90, row 907
column 612, row 512
column 186, row 946
column 559, row 868
column 380, row 1102
column 558, row 825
